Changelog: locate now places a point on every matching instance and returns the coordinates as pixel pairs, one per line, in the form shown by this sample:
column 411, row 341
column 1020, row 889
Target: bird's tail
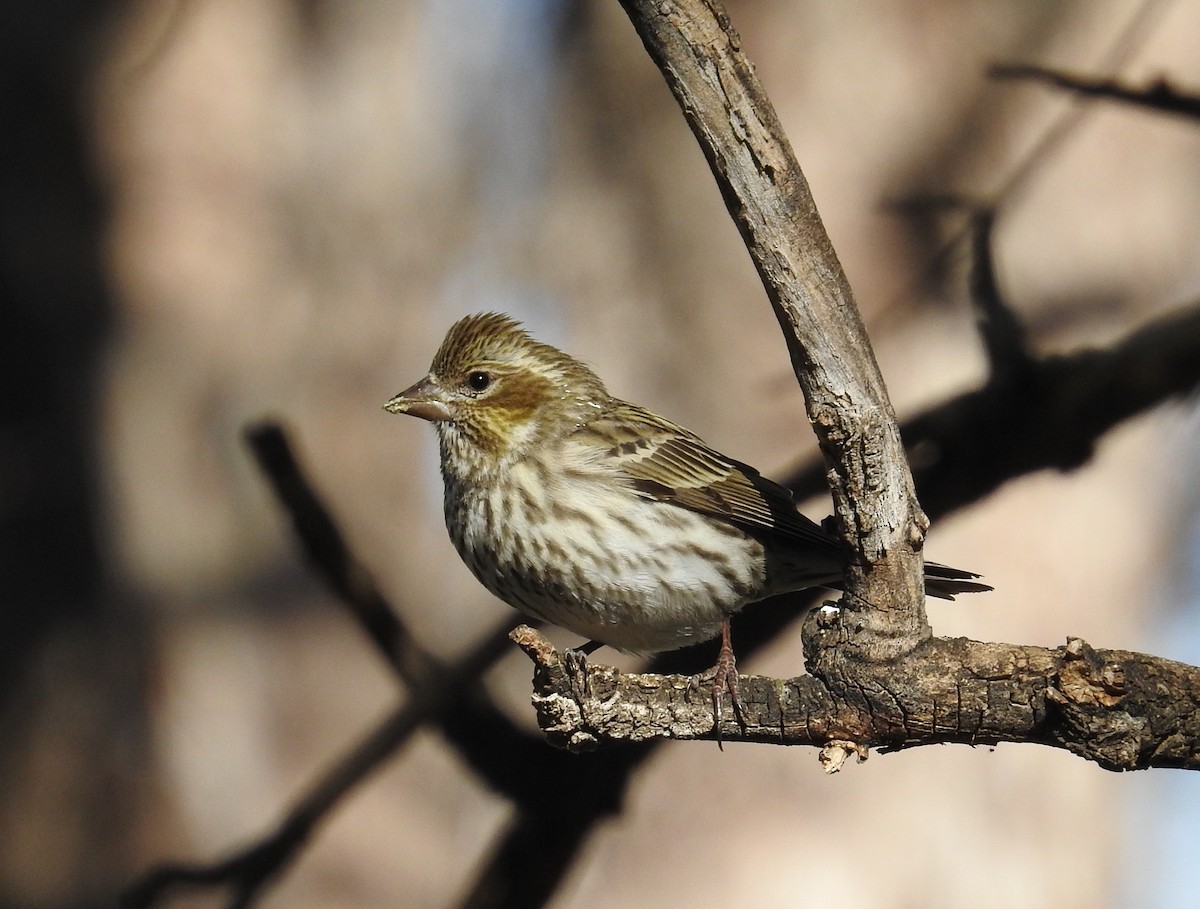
column 945, row 582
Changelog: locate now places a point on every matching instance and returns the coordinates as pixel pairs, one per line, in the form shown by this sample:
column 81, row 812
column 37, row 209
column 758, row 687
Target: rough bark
column 878, row 677
column 1122, row 710
column 699, row 54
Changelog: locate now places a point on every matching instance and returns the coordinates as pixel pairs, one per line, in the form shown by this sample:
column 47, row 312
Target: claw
column 725, row 676
column 575, row 664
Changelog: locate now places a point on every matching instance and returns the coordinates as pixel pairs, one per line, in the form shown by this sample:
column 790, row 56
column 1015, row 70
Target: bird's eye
column 478, row 380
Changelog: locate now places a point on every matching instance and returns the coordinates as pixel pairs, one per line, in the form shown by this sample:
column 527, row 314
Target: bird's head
column 493, row 391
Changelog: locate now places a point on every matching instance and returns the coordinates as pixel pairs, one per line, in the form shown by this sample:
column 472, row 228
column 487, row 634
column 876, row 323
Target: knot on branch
column 1086, row 679
column 1086, row 692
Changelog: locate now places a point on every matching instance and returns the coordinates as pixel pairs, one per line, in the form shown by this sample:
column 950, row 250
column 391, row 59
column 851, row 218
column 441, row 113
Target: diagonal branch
column 490, row 742
column 248, row 870
column 331, row 557
column 699, row 54
column 969, row 446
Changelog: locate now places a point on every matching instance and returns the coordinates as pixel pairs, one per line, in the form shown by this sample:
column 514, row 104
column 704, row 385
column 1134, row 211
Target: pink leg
column 725, row 675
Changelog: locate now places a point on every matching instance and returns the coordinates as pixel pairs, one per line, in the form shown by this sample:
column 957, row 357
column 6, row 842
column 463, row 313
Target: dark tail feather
column 944, row 582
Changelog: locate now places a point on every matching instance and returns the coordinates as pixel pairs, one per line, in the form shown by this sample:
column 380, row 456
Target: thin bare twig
column 1128, row 41
column 1002, row 333
column 247, row 871
column 1159, row 95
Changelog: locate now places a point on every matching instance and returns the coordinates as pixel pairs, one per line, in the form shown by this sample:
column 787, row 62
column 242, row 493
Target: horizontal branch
column 1159, row 95
column 1122, row 710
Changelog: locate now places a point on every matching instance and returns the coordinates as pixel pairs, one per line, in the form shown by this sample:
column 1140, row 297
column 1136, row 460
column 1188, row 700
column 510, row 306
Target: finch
column 602, row 517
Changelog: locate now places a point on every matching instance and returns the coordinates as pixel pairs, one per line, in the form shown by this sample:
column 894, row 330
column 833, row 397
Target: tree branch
column 500, row 752
column 1121, row 710
column 245, row 872
column 699, row 54
column 1158, row 96
column 1052, row 417
column 1003, row 334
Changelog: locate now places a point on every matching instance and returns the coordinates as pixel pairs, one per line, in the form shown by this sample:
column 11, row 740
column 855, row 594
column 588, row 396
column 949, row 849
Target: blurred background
column 219, row 210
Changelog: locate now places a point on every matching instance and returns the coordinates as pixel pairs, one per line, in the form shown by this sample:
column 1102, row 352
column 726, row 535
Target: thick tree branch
column 1122, row 710
column 699, row 54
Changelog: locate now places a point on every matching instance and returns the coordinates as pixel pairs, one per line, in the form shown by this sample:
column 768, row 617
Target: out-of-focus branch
column 332, row 559
column 1122, row 710
column 246, row 871
column 1002, row 333
column 1126, row 44
column 489, row 741
column 1159, row 95
column 446, row 695
column 967, row 447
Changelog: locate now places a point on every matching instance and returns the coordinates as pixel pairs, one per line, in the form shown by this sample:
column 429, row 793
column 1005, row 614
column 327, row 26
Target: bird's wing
column 667, row 463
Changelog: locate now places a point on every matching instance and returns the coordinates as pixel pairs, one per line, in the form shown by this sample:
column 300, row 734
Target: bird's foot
column 575, row 664
column 724, row 677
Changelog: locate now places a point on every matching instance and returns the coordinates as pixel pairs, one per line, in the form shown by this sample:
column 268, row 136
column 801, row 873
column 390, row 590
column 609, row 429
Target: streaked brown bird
column 602, row 517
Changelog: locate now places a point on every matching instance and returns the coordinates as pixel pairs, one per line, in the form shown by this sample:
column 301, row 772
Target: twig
column 246, row 871
column 1003, row 335
column 1125, row 45
column 1158, row 96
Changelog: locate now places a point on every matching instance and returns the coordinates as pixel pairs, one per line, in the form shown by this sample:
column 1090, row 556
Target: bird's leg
column 576, row 665
column 725, row 676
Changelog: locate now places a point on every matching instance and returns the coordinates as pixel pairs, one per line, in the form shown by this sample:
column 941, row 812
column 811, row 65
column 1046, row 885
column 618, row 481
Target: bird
column 602, row 517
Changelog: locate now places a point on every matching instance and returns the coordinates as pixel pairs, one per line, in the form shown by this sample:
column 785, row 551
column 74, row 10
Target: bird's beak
column 426, row 400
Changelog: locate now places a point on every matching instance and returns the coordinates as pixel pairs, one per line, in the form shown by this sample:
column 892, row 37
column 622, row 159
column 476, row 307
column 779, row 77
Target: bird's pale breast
column 585, row 553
